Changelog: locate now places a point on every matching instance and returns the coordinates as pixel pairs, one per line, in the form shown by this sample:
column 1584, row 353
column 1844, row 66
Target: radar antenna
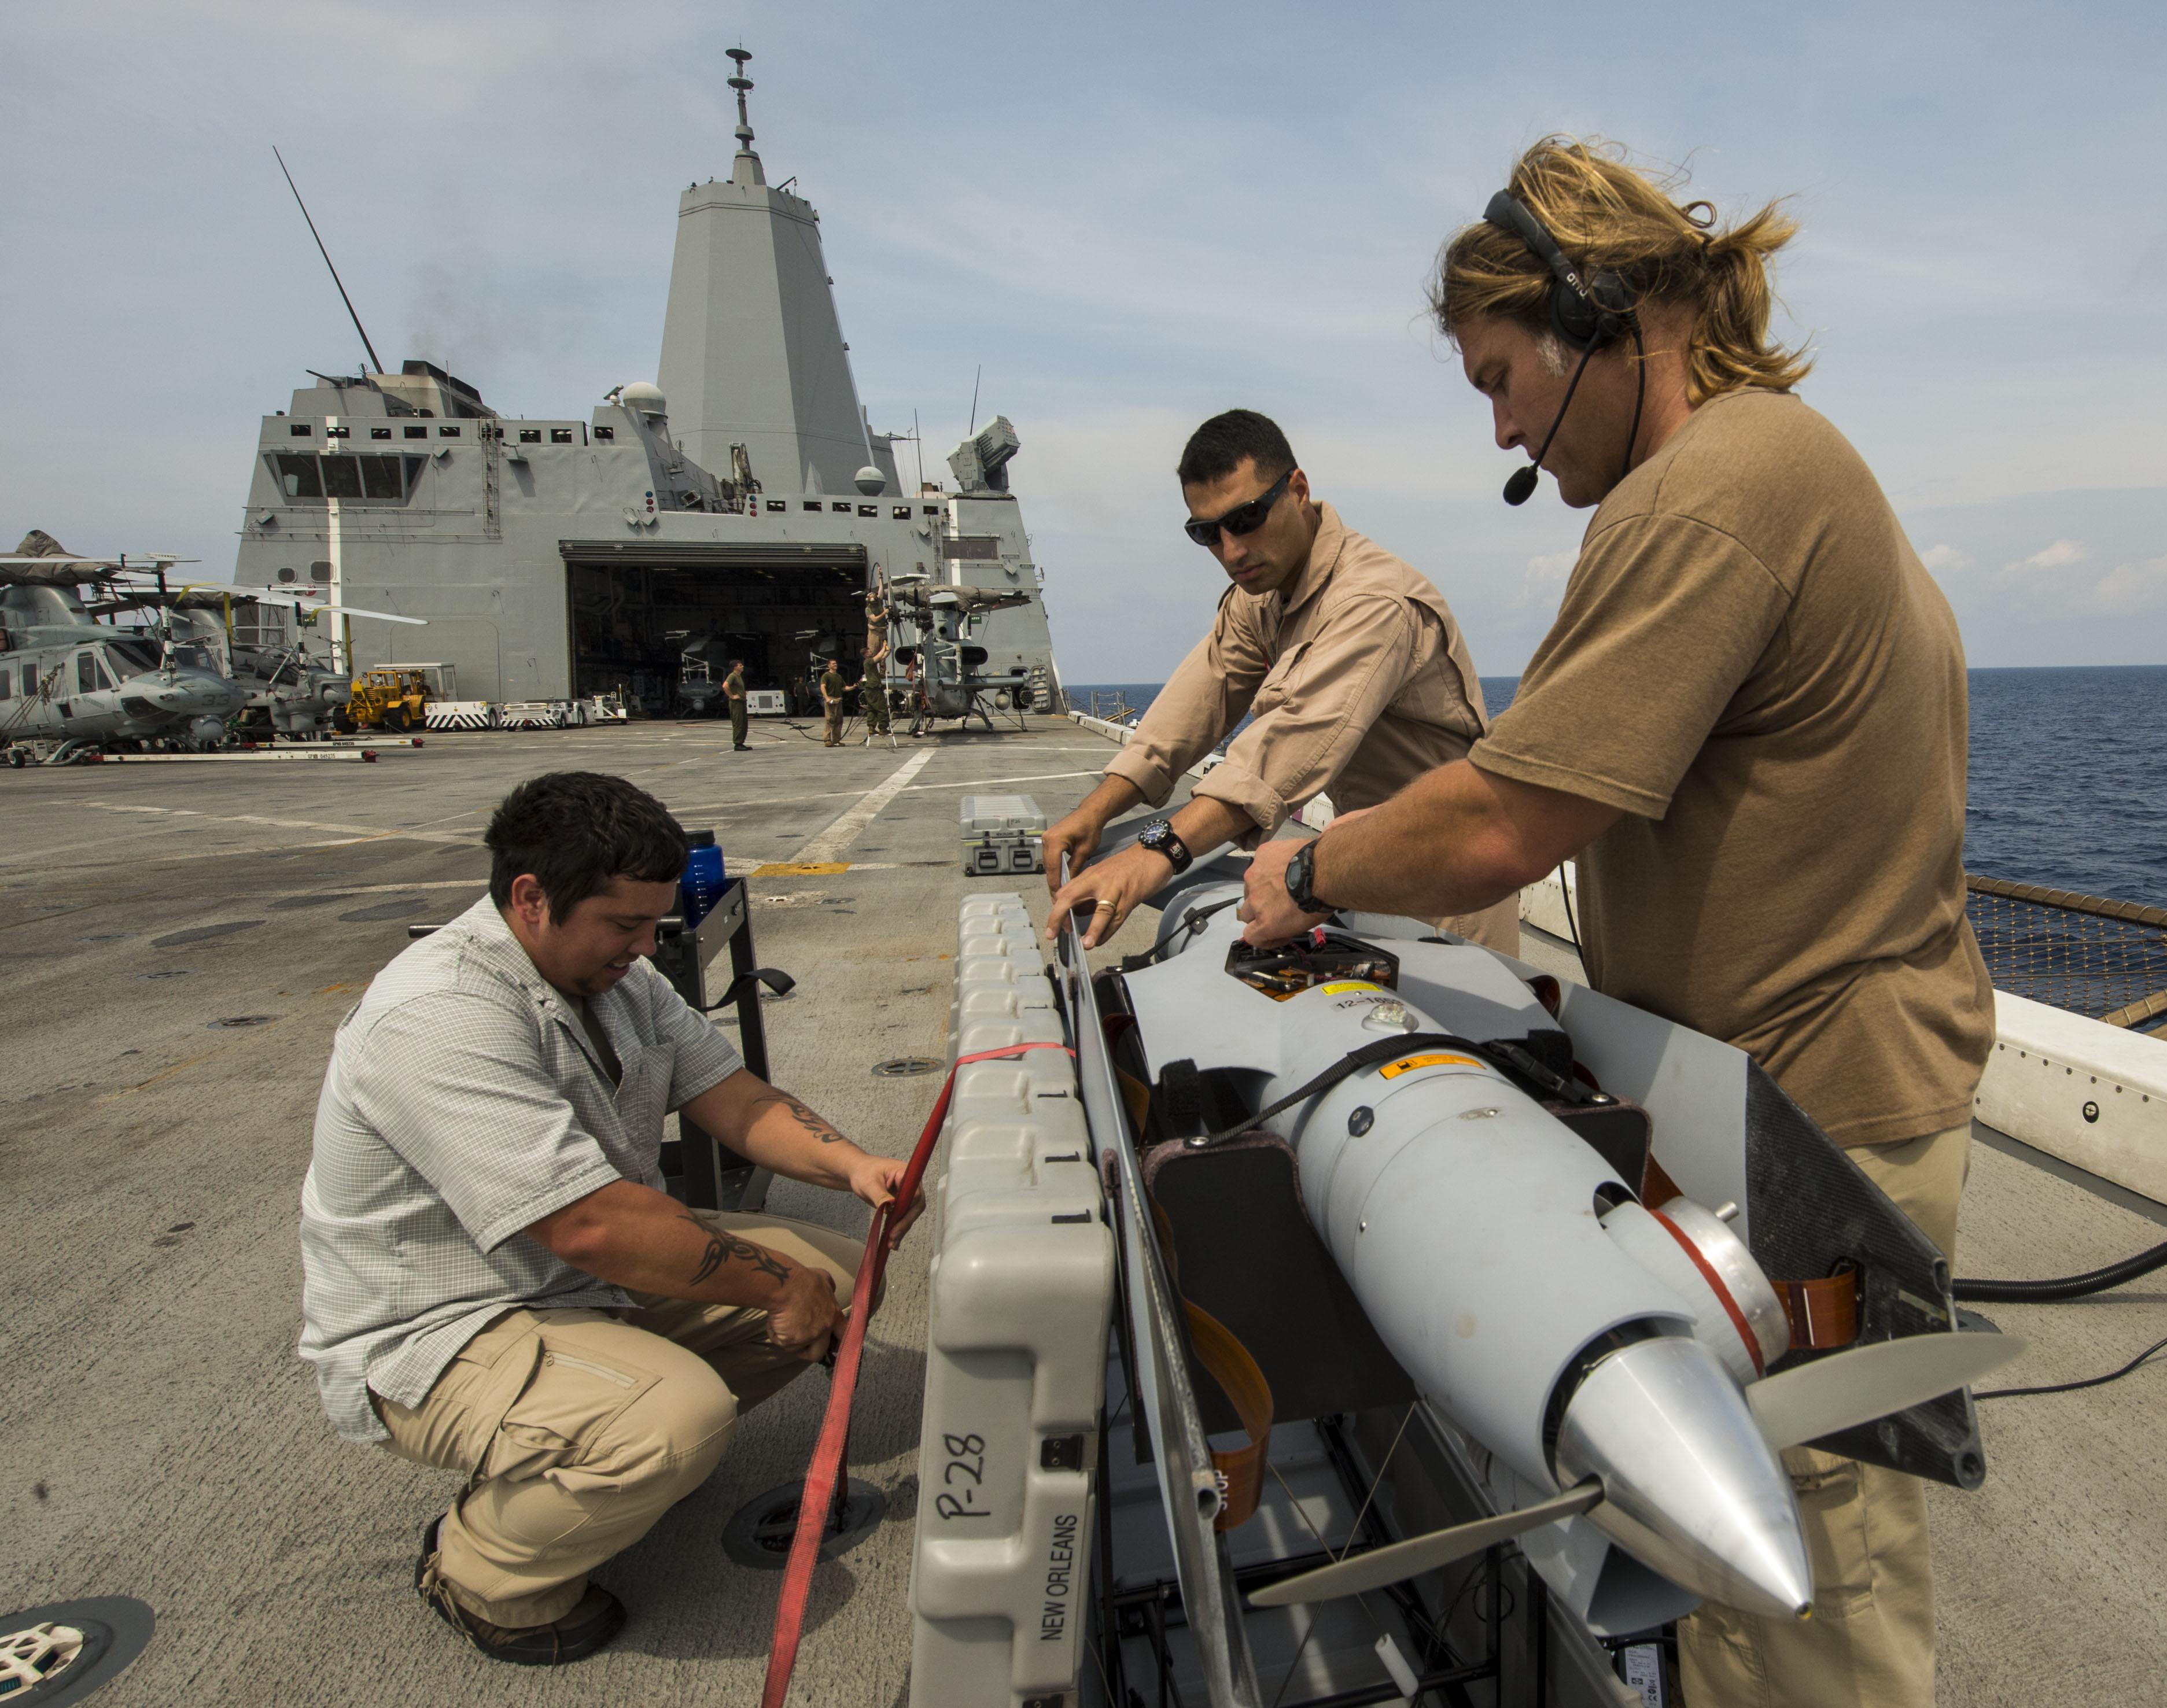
column 375, row 366
column 742, row 83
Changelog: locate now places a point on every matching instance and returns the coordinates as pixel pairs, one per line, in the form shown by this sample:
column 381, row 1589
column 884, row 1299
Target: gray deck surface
column 164, row 1442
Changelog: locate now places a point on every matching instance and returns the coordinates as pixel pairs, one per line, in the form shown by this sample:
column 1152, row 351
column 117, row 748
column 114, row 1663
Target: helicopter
column 951, row 679
column 291, row 691
column 71, row 685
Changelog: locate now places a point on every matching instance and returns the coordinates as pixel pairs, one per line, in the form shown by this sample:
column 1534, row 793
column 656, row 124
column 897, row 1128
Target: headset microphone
column 1585, row 314
column 1520, row 484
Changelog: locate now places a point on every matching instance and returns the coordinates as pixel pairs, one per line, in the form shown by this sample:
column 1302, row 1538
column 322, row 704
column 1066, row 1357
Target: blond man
column 1748, row 726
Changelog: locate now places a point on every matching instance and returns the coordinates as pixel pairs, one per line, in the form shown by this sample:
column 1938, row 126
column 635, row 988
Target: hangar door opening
column 637, row 607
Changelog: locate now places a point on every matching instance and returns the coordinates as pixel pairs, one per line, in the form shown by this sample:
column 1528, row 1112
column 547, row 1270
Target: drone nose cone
column 1689, row 1486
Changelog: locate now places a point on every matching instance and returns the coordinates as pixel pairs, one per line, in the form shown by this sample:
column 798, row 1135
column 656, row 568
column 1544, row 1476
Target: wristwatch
column 1301, row 874
column 1159, row 837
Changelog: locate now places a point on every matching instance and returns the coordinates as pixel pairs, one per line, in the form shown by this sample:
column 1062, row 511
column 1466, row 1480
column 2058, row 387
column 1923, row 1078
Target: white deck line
column 841, row 834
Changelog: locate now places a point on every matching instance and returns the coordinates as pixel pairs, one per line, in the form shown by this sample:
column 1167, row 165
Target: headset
column 1585, row 314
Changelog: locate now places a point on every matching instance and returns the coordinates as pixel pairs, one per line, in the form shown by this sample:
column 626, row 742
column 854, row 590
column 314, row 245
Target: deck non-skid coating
column 173, row 1449
column 181, row 1456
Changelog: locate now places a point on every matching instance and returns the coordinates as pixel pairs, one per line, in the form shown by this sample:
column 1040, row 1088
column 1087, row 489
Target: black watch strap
column 1300, row 878
column 1160, row 837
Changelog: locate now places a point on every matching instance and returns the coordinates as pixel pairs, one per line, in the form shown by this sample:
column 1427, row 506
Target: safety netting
column 2092, row 956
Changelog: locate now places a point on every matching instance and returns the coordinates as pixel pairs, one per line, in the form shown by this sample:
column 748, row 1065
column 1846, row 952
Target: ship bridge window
column 380, row 432
column 900, row 513
column 777, row 504
column 299, row 429
column 286, row 575
column 530, row 435
column 813, row 503
column 560, row 435
column 869, row 509
column 384, row 479
column 448, row 432
column 338, row 432
column 298, row 475
column 607, row 435
column 841, row 510
column 931, row 510
column 417, row 432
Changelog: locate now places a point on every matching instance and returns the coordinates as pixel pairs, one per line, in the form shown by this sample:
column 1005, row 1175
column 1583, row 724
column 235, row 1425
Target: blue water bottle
column 702, row 885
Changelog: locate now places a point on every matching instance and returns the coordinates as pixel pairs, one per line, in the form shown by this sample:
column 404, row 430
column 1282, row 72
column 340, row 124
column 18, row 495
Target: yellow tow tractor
column 389, row 696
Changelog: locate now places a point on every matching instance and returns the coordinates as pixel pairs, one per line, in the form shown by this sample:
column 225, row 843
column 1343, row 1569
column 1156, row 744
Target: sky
column 1129, row 217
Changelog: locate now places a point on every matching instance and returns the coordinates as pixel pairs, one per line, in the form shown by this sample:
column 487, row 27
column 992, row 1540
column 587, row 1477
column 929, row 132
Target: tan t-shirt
column 1751, row 661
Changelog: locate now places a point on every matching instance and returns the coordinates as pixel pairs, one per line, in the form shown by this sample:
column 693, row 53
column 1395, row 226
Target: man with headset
column 1346, row 660
column 1748, row 724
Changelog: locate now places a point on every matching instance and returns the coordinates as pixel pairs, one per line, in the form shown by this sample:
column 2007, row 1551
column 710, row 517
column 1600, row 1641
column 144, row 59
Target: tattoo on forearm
column 799, row 1114
column 724, row 1246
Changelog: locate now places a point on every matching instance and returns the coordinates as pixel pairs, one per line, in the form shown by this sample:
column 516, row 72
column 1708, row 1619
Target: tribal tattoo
column 722, row 1245
column 802, row 1115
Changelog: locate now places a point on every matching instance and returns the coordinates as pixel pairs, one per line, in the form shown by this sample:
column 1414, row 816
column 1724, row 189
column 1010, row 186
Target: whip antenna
column 376, row 366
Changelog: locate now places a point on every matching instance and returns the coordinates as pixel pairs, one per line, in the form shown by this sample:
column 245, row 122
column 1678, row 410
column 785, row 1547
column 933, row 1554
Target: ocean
column 2068, row 775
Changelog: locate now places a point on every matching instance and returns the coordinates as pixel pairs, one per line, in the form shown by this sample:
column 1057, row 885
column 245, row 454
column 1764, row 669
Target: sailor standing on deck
column 832, row 689
column 1348, row 661
column 1748, row 723
column 734, row 691
column 494, row 1280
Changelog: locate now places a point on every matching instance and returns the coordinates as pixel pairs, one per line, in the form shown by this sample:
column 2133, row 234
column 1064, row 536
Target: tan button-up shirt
column 1357, row 679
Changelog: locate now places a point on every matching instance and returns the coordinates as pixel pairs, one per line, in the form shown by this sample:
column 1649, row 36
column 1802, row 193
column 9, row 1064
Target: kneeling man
column 496, row 1281
column 1347, row 662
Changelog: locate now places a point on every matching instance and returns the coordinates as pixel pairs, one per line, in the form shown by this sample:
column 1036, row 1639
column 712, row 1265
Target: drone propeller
column 1803, row 1404
column 1423, row 1553
column 1855, row 1387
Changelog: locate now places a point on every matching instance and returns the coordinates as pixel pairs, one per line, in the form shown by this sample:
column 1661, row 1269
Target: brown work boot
column 597, row 1618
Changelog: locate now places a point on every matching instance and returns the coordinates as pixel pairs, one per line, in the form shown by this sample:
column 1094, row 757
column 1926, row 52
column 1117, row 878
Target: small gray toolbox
column 1001, row 834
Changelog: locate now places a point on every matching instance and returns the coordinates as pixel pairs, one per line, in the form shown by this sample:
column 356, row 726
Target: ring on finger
column 1102, row 907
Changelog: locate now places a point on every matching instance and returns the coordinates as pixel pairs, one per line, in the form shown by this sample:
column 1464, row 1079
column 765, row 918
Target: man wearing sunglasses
column 1346, row 661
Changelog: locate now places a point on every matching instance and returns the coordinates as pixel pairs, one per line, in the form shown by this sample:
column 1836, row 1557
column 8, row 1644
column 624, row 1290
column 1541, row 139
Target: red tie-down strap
column 822, row 1475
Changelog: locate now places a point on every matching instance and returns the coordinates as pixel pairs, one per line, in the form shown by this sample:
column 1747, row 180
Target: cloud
column 1544, row 584
column 2129, row 587
column 2063, row 554
column 1944, row 561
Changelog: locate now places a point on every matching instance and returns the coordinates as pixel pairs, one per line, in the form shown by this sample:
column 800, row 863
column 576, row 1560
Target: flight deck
column 178, row 944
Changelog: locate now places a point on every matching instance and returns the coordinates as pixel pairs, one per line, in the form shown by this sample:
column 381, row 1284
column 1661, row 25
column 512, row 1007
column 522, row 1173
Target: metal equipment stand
column 715, row 1176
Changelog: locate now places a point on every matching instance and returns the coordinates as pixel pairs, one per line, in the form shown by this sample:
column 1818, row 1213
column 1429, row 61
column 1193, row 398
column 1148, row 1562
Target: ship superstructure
column 745, row 501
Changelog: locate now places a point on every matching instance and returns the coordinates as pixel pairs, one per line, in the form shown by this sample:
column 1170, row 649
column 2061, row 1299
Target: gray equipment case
column 1001, row 834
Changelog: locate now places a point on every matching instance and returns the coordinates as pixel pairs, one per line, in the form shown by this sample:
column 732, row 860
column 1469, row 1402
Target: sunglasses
column 1243, row 519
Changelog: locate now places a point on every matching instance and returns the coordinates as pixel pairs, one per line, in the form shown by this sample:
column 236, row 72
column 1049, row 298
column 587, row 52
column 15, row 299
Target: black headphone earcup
column 1596, row 318
column 1577, row 320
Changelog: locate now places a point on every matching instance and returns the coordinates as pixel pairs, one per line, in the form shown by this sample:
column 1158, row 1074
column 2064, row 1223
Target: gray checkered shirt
column 464, row 1103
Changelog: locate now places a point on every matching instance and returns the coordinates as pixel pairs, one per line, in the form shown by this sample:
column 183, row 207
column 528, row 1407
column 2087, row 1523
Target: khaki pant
column 834, row 724
column 1496, row 927
column 1870, row 1643
column 578, row 1429
column 876, row 698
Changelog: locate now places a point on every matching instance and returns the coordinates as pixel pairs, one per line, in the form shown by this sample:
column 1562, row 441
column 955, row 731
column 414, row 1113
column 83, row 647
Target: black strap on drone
column 1508, row 1059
